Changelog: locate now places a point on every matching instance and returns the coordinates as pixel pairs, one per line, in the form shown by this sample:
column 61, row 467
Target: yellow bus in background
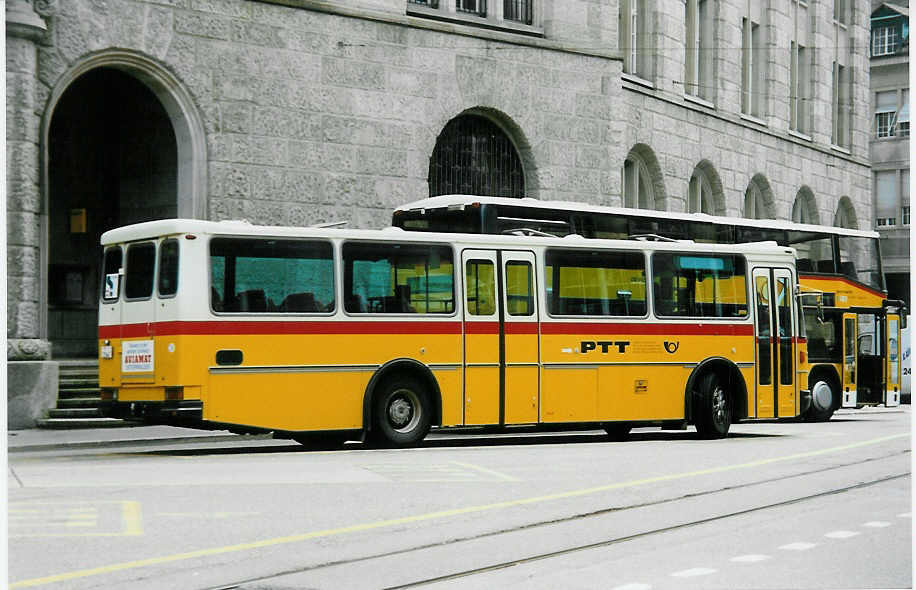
column 320, row 334
column 853, row 330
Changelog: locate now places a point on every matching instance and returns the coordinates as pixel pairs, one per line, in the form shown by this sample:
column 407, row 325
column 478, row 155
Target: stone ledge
column 31, row 392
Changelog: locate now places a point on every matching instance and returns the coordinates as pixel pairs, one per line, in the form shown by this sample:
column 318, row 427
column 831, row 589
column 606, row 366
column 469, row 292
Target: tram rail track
column 592, row 514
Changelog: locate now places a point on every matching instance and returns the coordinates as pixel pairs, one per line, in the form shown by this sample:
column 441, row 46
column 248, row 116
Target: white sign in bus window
column 137, row 356
column 111, row 285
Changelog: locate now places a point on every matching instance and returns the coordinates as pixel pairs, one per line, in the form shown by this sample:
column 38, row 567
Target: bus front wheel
column 401, row 415
column 712, row 408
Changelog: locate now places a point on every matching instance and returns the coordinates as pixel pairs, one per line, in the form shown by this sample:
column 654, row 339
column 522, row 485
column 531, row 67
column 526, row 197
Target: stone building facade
column 303, row 111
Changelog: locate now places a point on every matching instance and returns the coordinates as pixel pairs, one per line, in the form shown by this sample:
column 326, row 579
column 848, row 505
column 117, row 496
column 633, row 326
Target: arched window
column 757, row 198
column 473, row 156
column 640, row 176
column 845, row 215
column 699, row 197
column 804, row 209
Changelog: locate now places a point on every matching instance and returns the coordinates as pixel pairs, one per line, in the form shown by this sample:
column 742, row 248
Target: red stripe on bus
column 253, row 328
column 698, row 329
column 422, row 327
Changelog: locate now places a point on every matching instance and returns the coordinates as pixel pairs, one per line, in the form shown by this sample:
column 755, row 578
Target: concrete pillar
column 30, row 389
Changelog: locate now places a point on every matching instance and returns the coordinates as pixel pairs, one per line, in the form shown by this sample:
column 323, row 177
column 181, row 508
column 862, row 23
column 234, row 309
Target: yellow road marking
column 495, row 474
column 207, row 514
column 24, row 522
column 107, row 569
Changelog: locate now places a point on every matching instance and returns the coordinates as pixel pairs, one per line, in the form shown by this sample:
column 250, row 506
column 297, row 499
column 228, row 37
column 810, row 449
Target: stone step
column 72, row 392
column 64, row 413
column 78, row 402
column 84, row 423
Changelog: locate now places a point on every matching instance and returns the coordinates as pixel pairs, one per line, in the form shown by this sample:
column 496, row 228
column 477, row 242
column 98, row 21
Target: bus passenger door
column 766, row 357
column 786, row 342
column 138, row 316
column 481, row 338
column 521, row 341
column 776, row 343
column 893, row 361
column 850, row 365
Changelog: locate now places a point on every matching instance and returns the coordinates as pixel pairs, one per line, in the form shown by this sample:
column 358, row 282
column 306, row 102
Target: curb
column 136, row 441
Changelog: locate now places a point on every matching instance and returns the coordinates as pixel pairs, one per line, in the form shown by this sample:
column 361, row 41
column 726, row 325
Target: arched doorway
column 112, row 159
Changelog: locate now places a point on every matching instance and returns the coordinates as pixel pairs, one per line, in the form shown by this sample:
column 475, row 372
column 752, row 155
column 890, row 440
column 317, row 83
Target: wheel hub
column 719, row 406
column 822, row 396
column 403, row 410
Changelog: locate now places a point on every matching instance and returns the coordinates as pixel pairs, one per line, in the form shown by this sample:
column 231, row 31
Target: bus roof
column 193, row 227
column 445, row 201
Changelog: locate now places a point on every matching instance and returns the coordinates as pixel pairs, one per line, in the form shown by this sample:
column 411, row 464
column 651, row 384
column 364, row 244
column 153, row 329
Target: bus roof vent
column 527, row 231
column 653, row 238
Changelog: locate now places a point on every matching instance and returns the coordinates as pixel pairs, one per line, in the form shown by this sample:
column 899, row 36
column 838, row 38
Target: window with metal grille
column 478, row 7
column 473, row 156
column 518, row 10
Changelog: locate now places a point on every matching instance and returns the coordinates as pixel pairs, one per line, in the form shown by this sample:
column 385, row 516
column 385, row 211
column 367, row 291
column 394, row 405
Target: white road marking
column 633, row 587
column 877, row 524
column 905, row 515
column 691, row 573
column 752, row 558
column 841, row 534
column 800, row 546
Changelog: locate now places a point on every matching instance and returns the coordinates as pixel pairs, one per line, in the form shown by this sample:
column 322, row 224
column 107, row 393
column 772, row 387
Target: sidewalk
column 37, row 439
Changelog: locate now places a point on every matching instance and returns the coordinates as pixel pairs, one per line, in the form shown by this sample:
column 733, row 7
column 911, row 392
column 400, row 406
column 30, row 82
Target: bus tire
column 712, row 408
column 618, row 431
column 401, row 413
column 823, row 401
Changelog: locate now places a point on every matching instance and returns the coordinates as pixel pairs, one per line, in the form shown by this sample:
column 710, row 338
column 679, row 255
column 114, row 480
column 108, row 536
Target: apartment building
column 890, row 140
column 300, row 112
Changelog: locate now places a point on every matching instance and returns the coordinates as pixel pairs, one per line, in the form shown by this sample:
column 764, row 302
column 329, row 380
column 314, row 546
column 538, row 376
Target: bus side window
column 398, row 278
column 111, row 268
column 168, row 268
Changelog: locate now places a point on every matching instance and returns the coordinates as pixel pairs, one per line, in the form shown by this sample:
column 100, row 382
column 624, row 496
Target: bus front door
column 850, row 364
column 776, row 343
column 892, row 397
column 482, row 336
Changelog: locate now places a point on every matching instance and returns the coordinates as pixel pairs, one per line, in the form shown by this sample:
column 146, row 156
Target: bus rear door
column 892, row 371
column 521, row 342
column 850, row 364
column 138, row 317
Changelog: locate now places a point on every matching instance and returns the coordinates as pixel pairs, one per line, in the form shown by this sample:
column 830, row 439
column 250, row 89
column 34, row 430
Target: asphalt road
column 776, row 505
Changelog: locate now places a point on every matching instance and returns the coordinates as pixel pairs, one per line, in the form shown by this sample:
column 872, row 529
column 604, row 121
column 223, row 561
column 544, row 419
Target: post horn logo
column 671, row 347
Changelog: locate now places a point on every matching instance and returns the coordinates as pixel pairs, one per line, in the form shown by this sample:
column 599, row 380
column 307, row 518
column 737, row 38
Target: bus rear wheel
column 823, row 401
column 712, row 408
column 401, row 414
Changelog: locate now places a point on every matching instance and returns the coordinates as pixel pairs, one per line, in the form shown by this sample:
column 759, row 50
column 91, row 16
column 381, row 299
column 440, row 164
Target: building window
column 885, row 111
column 883, row 41
column 634, row 36
column 887, row 201
column 754, row 205
column 510, row 13
column 903, row 115
column 478, row 7
column 699, row 198
column 800, row 68
column 804, row 210
column 840, row 11
column 905, row 196
column 841, row 105
column 753, row 60
column 637, row 184
column 905, row 214
column 473, row 156
column 698, row 65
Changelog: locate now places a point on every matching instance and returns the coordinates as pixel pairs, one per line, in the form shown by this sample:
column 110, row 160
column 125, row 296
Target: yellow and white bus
column 852, row 337
column 383, row 334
